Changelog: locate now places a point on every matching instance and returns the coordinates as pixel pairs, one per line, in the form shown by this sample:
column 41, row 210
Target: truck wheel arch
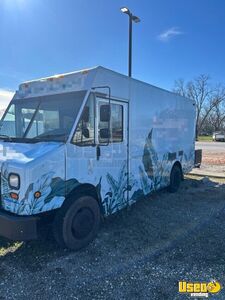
column 177, row 163
column 176, row 176
column 85, row 189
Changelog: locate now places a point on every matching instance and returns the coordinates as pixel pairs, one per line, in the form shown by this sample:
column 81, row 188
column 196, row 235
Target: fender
column 86, row 189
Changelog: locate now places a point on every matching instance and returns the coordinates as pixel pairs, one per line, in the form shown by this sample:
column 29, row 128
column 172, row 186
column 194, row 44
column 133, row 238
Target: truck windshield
column 46, row 118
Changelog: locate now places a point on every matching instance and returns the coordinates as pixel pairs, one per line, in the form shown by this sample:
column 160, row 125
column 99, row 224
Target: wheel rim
column 83, row 223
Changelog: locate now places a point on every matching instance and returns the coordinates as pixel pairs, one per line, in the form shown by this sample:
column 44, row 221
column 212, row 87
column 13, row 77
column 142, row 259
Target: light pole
column 132, row 19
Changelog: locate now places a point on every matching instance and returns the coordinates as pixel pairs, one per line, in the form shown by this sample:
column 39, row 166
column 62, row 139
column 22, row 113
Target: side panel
column 162, row 129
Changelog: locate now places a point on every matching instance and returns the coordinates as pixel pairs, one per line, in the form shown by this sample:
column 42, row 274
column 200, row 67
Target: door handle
column 98, row 152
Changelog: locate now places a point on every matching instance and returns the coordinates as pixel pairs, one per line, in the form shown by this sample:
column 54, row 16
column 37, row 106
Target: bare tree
column 205, row 95
column 217, row 117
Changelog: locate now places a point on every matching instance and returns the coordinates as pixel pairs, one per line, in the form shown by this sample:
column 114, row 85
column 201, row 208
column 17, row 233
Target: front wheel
column 175, row 179
column 76, row 223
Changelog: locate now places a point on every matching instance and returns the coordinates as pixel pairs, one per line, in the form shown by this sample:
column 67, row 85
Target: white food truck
column 79, row 146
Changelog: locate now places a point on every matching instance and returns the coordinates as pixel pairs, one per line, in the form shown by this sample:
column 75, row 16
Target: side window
column 117, row 123
column 104, row 122
column 8, row 126
column 84, row 134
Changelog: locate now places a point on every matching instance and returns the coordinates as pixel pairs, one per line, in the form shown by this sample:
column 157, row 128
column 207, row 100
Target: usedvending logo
column 199, row 289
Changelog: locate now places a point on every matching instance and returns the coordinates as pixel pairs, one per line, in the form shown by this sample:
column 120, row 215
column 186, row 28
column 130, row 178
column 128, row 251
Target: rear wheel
column 76, row 223
column 175, row 179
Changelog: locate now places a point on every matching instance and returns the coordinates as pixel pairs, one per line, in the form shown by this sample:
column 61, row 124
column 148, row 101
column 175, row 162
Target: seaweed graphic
column 5, row 189
column 156, row 169
column 30, row 204
column 150, row 156
column 146, row 184
column 4, row 183
column 116, row 197
column 98, row 188
column 53, row 191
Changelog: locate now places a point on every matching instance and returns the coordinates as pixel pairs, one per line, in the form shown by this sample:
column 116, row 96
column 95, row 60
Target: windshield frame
column 41, row 99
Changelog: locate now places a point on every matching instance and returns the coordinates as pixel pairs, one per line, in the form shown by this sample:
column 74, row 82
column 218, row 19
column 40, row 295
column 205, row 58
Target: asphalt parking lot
column 140, row 253
column 211, row 146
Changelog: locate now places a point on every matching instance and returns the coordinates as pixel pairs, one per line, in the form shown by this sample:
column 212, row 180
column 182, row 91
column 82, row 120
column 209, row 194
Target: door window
column 114, row 117
column 103, row 121
column 109, row 127
column 117, row 123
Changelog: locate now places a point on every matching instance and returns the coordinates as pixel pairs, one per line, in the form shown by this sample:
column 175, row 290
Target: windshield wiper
column 49, row 136
column 3, row 136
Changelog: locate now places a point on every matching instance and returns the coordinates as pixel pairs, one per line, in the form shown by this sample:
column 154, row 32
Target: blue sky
column 175, row 39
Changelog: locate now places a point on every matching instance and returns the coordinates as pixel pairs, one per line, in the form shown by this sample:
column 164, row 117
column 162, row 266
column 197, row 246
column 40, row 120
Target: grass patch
column 205, row 138
column 10, row 249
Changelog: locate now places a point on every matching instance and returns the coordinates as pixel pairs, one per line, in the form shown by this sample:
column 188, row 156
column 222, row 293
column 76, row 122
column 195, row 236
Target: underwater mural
column 51, row 194
column 159, row 170
column 117, row 196
column 152, row 174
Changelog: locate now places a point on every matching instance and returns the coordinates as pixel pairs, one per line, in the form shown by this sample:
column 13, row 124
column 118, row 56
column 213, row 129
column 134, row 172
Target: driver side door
column 97, row 153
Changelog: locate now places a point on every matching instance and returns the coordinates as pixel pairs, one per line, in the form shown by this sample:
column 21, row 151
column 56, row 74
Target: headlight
column 14, row 181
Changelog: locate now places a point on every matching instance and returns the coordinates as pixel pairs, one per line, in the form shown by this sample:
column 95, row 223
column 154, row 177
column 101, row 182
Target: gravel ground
column 215, row 158
column 140, row 253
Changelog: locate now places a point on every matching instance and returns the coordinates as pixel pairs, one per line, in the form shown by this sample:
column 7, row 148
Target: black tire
column 175, row 179
column 76, row 223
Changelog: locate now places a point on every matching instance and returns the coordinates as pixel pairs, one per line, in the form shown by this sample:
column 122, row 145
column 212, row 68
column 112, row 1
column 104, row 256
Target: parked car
column 218, row 137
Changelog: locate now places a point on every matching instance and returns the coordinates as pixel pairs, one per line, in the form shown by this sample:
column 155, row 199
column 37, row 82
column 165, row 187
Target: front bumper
column 18, row 228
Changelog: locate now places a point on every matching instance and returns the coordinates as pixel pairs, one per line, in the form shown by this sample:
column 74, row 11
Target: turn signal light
column 14, row 196
column 37, row 195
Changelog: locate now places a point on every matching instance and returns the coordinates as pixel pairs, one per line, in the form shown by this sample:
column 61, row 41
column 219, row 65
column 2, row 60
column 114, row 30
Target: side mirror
column 28, row 116
column 105, row 113
column 85, row 115
column 104, row 133
column 85, row 133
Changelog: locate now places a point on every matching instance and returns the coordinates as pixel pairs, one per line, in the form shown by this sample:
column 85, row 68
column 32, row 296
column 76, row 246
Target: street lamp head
column 132, row 19
column 136, row 19
column 125, row 10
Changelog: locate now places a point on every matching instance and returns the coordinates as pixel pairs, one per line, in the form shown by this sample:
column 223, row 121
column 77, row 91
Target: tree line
column 210, row 103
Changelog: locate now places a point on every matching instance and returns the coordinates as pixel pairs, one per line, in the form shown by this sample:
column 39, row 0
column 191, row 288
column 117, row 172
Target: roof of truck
column 61, row 75
column 66, row 77
column 85, row 71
